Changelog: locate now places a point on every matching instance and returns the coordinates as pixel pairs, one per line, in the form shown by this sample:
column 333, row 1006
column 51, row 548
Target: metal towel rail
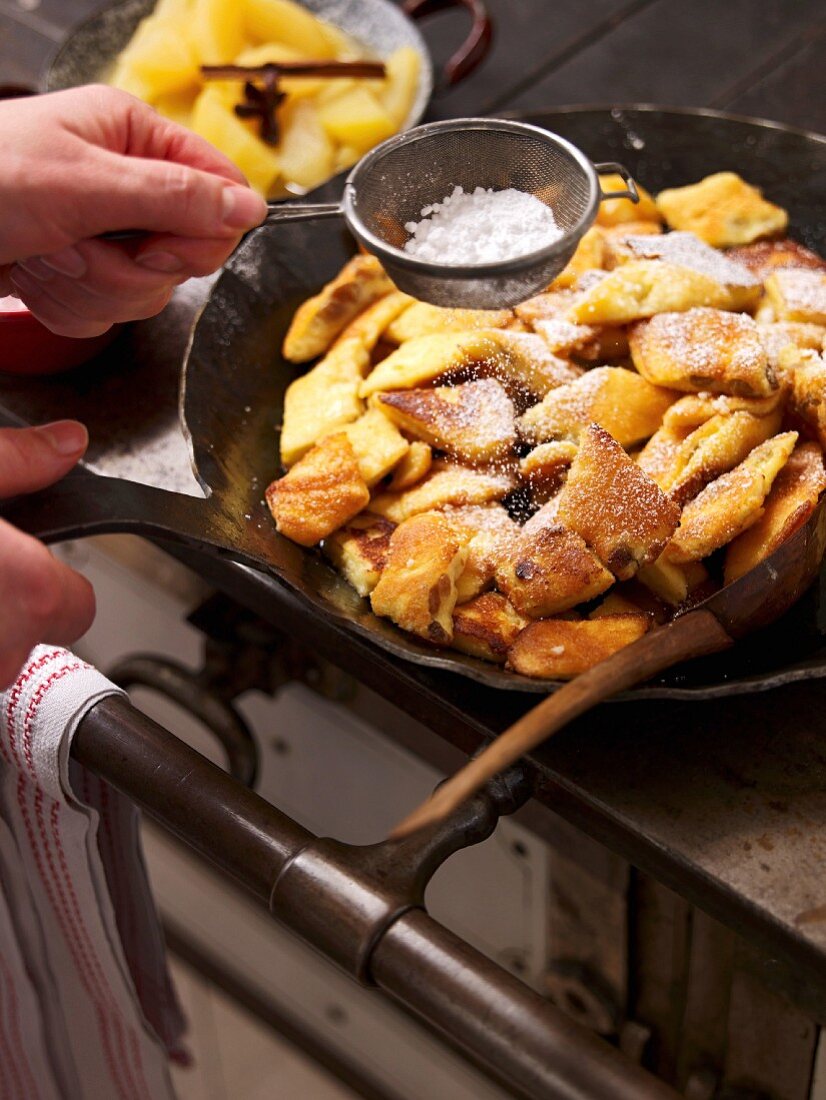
column 363, row 907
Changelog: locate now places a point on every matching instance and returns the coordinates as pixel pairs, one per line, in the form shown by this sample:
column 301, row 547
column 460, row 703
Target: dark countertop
column 724, row 800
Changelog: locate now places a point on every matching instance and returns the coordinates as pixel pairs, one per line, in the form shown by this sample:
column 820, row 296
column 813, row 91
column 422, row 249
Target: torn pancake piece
column 417, row 587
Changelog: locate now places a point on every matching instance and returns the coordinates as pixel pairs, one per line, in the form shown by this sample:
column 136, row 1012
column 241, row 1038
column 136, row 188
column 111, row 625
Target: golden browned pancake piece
column 545, row 467
column 662, row 455
column 417, row 587
column 723, row 210
column 588, row 255
column 486, row 627
column 324, row 399
column 474, row 421
column 359, row 550
column 319, row 320
column 730, row 504
column 427, row 358
column 793, row 498
column 423, row 319
column 764, row 257
column 612, row 212
column 615, row 506
column 370, row 325
column 703, row 350
column 806, row 374
column 546, row 314
column 557, row 649
column 686, row 250
column 615, row 236
column 445, row 484
column 488, row 531
column 377, row 444
column 322, row 490
column 715, row 448
column 625, row 404
column 517, row 358
column 642, row 288
column 780, row 335
column 550, row 570
column 690, row 412
column 796, row 295
column 615, row 603
column 413, row 466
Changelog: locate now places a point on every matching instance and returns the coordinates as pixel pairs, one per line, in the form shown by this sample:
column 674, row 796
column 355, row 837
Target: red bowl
column 28, row 347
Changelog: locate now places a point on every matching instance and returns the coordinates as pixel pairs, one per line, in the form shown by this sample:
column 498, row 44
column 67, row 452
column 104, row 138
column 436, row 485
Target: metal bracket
column 199, row 693
column 244, row 652
column 348, row 896
column 241, row 653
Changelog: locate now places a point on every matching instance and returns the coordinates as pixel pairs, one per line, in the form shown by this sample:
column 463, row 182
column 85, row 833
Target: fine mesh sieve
column 391, row 185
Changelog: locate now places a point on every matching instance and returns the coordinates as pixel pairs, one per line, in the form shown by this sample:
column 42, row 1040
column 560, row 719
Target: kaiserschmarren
column 538, row 487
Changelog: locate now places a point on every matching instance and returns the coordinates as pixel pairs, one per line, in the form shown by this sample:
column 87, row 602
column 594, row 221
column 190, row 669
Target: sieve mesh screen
column 391, row 187
column 394, row 189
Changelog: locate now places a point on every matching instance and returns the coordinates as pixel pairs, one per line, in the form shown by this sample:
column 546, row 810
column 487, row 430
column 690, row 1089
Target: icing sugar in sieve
column 476, row 212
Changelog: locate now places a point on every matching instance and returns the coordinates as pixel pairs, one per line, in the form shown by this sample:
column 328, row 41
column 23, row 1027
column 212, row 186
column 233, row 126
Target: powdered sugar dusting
column 687, row 250
column 481, row 227
column 708, row 347
column 802, row 291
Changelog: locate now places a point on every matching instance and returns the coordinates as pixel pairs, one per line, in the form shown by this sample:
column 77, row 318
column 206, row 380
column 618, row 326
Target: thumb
column 164, row 197
column 32, row 458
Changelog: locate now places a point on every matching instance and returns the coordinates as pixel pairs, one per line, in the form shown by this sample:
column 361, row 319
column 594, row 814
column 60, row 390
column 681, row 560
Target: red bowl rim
column 17, row 316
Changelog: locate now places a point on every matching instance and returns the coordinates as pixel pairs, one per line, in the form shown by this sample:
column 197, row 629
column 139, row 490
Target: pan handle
column 475, row 47
column 85, row 504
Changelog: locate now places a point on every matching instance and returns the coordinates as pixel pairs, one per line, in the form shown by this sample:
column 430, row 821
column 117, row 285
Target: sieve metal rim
column 513, row 266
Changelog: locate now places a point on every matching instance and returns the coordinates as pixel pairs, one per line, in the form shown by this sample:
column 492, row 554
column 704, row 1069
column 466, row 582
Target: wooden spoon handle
column 693, row 635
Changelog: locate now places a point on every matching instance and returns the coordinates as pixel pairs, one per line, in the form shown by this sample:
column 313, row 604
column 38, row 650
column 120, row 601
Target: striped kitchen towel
column 87, row 1010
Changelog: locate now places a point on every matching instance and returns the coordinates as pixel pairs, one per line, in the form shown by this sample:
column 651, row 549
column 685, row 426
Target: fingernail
column 37, row 269
column 243, row 208
column 164, row 262
column 66, row 437
column 68, row 261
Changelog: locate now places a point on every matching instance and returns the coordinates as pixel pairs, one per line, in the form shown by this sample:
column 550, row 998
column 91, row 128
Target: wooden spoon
column 754, row 600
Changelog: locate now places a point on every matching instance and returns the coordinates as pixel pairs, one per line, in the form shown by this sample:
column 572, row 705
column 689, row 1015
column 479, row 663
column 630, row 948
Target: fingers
column 150, row 135
column 81, row 291
column 112, row 119
column 185, row 256
column 41, row 600
column 81, row 162
column 32, row 458
column 161, row 196
column 72, row 307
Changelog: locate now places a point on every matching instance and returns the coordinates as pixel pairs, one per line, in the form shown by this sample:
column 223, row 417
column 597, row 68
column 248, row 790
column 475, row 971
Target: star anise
column 262, row 103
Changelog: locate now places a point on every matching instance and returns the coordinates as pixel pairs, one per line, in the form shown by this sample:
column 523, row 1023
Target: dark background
column 756, row 57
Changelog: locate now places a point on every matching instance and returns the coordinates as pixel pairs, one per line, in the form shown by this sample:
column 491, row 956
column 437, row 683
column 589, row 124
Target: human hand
column 41, row 599
column 92, row 160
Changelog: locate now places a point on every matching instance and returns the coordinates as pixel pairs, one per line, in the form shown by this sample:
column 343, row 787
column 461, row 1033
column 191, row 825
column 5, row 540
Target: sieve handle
column 629, row 192
column 301, row 211
column 278, row 212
